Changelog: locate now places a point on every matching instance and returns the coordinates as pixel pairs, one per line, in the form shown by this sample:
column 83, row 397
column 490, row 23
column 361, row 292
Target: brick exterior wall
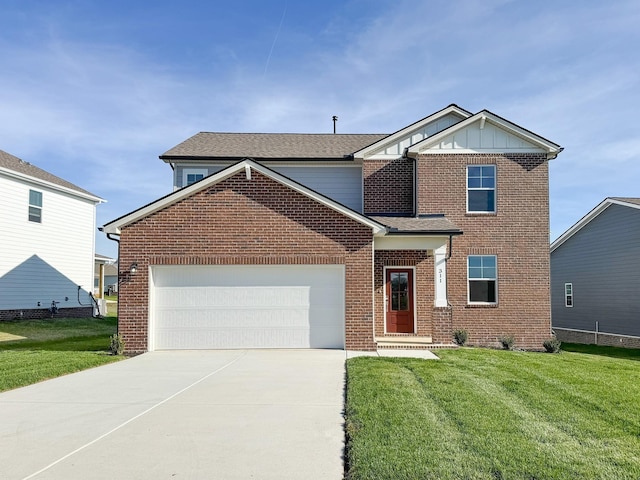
column 240, row 221
column 423, row 287
column 388, row 186
column 442, row 327
column 518, row 234
column 38, row 313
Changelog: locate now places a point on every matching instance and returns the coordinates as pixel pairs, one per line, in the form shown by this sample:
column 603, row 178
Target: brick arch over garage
column 241, row 221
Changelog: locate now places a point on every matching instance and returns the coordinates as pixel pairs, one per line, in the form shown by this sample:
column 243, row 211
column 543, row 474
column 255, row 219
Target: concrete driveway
column 192, row 415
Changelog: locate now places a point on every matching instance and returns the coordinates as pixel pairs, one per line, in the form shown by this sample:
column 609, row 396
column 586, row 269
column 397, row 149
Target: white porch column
column 440, row 254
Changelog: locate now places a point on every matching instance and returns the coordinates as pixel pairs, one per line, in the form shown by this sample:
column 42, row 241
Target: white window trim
column 495, row 189
column 469, row 302
column 39, row 207
column 567, row 295
column 192, row 171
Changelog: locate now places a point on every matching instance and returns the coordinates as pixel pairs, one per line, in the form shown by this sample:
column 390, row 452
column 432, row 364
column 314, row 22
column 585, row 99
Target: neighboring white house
column 47, row 238
column 105, row 275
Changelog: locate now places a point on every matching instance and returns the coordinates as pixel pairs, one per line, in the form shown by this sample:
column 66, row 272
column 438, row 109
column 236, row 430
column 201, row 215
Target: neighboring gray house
column 595, row 276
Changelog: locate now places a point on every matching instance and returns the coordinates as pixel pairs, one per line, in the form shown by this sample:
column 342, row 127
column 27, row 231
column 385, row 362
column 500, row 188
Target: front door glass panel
column 399, row 291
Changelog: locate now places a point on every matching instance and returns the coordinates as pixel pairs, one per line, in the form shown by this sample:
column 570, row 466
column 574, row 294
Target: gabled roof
column 552, row 149
column 13, row 166
column 246, row 166
column 237, row 146
column 601, row 207
column 452, row 109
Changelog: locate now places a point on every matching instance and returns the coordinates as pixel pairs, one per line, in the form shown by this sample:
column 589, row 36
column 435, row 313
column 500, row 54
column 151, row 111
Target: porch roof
column 436, row 224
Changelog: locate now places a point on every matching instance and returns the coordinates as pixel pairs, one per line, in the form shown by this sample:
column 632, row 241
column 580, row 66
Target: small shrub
column 117, row 344
column 552, row 345
column 460, row 337
column 507, row 341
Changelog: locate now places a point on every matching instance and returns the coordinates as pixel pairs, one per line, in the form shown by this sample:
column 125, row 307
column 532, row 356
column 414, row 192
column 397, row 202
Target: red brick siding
column 442, row 327
column 388, row 186
column 423, row 286
column 240, row 221
column 518, row 234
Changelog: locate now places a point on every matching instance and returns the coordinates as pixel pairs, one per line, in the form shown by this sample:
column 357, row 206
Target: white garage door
column 246, row 306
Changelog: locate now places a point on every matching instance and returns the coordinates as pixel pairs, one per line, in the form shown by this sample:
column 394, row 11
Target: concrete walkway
column 199, row 415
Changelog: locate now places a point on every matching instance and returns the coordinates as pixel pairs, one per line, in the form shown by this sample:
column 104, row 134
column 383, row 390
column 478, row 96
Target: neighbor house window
column 481, row 188
column 483, row 278
column 568, row 294
column 35, row 206
column 193, row 175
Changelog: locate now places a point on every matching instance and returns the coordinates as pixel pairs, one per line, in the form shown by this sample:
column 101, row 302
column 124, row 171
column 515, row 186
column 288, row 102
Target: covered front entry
column 247, row 306
column 399, row 298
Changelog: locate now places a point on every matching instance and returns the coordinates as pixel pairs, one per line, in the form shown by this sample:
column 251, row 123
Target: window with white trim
column 193, row 175
column 568, row 294
column 481, row 188
column 35, row 206
column 482, row 274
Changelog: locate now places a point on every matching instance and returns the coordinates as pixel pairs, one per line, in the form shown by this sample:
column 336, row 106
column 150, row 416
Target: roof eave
column 54, row 186
column 551, row 149
column 593, row 213
column 209, row 158
column 115, row 226
column 453, row 108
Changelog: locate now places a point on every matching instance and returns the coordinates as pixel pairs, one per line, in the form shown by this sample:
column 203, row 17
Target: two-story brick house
column 343, row 241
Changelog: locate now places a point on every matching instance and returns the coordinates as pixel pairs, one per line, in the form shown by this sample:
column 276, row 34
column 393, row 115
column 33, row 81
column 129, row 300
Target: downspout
column 112, row 238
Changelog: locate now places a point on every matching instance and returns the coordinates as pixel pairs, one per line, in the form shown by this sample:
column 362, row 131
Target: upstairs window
column 193, row 175
column 568, row 294
column 481, row 189
column 35, row 206
column 483, row 278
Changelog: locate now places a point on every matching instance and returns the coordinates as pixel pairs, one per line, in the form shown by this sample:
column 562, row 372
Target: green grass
column 53, row 347
column 491, row 414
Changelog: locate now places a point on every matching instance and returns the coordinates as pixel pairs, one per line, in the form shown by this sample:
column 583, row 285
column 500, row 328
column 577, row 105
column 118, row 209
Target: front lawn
column 52, row 347
column 491, row 414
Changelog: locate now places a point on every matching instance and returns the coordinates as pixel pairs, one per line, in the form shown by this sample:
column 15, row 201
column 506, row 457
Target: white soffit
column 601, row 207
column 485, row 132
column 115, row 226
column 395, row 144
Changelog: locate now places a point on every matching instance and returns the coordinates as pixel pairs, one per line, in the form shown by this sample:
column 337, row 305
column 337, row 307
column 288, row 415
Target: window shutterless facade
column 481, row 189
column 482, row 274
column 35, row 206
column 568, row 294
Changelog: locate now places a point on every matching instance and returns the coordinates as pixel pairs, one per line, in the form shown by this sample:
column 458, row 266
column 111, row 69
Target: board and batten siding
column 42, row 262
column 340, row 183
column 602, row 262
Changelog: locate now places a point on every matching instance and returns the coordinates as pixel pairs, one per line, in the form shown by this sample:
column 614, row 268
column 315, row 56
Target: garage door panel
column 247, row 307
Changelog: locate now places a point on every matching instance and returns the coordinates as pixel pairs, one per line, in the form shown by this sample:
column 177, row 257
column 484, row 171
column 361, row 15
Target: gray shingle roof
column 271, row 145
column 420, row 224
column 11, row 162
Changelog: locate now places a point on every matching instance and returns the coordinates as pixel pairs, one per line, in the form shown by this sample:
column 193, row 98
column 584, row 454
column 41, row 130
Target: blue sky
column 94, row 91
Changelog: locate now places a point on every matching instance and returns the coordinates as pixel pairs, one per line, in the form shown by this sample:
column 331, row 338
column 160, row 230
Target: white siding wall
column 41, row 262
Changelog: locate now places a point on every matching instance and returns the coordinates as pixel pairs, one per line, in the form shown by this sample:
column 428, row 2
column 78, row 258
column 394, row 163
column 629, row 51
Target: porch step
column 404, row 341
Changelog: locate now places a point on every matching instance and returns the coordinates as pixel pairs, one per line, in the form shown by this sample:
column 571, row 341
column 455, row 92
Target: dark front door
column 399, row 300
